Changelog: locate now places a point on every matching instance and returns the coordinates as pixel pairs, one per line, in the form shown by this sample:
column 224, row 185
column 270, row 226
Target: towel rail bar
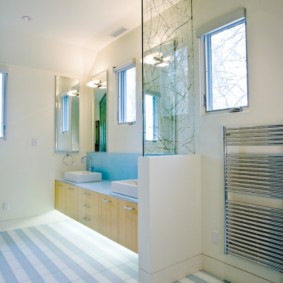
column 253, row 230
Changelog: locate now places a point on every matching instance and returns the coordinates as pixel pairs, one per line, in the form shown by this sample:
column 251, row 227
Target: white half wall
column 169, row 217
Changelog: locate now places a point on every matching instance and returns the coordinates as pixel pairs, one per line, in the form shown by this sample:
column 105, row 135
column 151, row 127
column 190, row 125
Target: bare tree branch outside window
column 228, row 66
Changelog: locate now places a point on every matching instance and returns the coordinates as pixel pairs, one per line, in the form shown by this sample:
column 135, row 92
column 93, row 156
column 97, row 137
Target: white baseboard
column 172, row 273
column 234, row 274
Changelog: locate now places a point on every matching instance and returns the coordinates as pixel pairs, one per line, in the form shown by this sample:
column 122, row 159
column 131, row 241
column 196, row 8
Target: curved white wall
column 28, row 172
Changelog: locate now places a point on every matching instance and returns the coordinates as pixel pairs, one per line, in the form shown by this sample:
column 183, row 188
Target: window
column 127, row 94
column 151, row 117
column 225, row 65
column 65, row 102
column 3, row 82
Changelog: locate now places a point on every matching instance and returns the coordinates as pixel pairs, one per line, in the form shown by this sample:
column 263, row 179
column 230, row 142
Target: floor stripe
column 6, row 270
column 28, row 268
column 93, row 248
column 208, row 276
column 109, row 274
column 62, row 255
column 50, row 266
column 196, row 279
column 101, row 243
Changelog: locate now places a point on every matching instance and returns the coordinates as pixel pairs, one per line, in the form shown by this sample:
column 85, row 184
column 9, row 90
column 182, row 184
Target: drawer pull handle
column 86, row 205
column 106, row 200
column 129, row 208
column 86, row 218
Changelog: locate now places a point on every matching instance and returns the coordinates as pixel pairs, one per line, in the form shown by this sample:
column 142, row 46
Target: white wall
column 265, row 61
column 121, row 138
column 27, row 173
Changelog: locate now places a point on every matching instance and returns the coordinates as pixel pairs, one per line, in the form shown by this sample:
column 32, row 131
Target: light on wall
column 97, row 84
column 157, row 59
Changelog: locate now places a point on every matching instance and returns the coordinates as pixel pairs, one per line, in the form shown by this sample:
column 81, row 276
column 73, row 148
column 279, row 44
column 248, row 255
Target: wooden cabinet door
column 108, row 217
column 128, row 225
column 72, row 201
column 88, row 208
column 60, row 196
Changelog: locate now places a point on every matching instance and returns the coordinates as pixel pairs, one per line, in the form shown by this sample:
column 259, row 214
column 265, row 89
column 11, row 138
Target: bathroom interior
column 165, row 165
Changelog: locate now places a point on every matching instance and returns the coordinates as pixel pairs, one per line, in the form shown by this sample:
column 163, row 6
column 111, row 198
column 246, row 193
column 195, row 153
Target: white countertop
column 102, row 187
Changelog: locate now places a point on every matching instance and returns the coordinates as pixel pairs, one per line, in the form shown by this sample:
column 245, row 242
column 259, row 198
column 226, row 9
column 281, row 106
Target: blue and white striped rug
column 64, row 252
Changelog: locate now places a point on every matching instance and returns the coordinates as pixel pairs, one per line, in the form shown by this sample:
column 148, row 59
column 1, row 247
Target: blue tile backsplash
column 114, row 166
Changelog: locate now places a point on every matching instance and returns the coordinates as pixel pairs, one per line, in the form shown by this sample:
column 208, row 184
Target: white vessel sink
column 82, row 176
column 126, row 187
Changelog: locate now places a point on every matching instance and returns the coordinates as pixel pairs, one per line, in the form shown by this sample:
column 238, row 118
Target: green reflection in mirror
column 99, row 118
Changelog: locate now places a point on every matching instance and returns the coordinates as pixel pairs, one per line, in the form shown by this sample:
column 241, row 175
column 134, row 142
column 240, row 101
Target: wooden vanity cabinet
column 108, row 217
column 60, row 196
column 112, row 217
column 128, row 225
column 89, row 208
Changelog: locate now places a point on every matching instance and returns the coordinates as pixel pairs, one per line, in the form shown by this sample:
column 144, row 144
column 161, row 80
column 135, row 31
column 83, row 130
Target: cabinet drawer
column 88, row 208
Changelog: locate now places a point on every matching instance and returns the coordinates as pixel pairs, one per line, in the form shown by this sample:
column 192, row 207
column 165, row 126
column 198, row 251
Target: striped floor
column 61, row 252
column 201, row 277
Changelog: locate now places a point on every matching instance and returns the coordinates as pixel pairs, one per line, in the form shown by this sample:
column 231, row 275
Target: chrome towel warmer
column 253, row 165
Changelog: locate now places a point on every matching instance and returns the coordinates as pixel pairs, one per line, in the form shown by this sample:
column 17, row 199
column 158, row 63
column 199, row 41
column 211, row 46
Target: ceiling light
column 27, row 18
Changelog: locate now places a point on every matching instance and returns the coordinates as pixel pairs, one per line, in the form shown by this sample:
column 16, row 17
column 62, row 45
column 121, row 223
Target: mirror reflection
column 159, row 100
column 67, row 114
column 99, row 84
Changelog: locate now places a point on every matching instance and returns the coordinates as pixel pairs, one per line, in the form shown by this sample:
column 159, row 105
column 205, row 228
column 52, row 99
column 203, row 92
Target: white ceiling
column 85, row 23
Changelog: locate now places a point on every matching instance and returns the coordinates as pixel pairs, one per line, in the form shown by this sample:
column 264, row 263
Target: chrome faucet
column 87, row 159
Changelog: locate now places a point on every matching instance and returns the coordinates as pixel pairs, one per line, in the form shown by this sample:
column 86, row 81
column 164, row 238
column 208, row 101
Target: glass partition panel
column 168, row 77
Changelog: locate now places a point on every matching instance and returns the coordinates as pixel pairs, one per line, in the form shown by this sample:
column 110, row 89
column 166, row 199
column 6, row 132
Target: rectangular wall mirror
column 99, row 118
column 67, row 114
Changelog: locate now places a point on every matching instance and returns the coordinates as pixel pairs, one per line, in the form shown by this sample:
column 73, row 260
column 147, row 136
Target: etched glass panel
column 168, row 73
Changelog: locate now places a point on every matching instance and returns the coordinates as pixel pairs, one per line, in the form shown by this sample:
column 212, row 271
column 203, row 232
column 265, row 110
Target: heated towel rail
column 253, row 162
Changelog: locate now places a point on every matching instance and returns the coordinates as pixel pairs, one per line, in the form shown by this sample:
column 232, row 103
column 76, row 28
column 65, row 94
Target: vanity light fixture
column 97, row 84
column 157, row 59
column 73, row 92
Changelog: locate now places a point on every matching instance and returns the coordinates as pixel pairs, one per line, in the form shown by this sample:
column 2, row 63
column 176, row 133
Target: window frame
column 205, row 33
column 122, row 97
column 3, row 110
